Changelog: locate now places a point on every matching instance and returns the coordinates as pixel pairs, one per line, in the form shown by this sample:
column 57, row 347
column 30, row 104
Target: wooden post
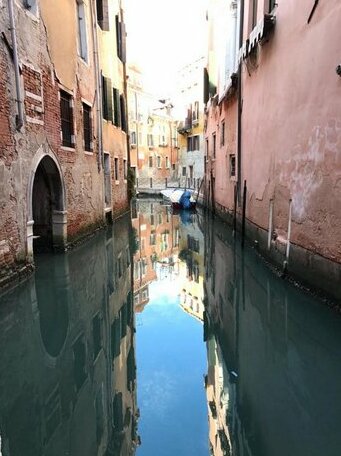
column 235, row 210
column 244, row 211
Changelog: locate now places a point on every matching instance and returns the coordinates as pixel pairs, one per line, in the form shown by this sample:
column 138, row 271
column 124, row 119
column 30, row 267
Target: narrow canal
column 160, row 337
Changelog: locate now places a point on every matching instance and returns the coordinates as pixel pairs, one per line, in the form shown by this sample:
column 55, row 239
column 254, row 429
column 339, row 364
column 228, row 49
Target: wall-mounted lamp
column 338, row 70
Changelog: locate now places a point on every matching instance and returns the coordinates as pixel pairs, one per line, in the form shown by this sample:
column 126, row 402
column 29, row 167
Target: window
column 159, row 162
column 214, row 145
column 253, row 10
column 152, row 240
column 150, row 140
column 193, row 143
column 150, row 162
column 145, row 294
column 66, row 116
column 162, row 136
column 167, row 162
column 193, row 244
column 102, row 14
column 117, row 108
column 116, row 337
column 133, row 138
column 116, row 169
column 87, row 127
column 232, row 165
column 107, row 98
column 206, row 147
column 119, row 267
column 123, row 113
column 96, row 335
column 222, row 133
column 125, row 169
column 195, row 112
column 120, row 39
column 82, row 41
column 184, row 171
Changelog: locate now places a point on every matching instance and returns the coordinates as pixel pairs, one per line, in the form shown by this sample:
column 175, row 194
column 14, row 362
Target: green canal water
column 161, row 337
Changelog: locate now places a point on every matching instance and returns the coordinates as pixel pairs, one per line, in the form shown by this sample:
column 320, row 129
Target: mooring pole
column 235, row 211
column 244, row 210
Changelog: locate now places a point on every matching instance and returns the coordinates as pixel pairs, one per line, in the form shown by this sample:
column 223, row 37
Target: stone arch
column 47, row 203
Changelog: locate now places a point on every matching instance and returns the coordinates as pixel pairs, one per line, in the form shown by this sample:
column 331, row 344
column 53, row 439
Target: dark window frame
column 107, row 102
column 66, row 119
column 116, row 168
column 232, row 164
column 222, row 133
column 87, row 127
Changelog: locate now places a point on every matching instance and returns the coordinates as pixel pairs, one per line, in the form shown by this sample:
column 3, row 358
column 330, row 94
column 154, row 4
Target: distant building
column 191, row 125
column 153, row 135
column 191, row 270
column 273, row 130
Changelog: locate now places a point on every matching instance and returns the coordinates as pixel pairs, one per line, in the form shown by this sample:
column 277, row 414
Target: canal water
column 161, row 337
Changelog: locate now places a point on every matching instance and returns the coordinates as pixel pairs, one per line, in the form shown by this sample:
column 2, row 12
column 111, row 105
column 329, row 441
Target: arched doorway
column 46, row 212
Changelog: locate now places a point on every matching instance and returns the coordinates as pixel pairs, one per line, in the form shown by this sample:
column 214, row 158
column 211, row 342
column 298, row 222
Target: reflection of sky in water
column 171, row 360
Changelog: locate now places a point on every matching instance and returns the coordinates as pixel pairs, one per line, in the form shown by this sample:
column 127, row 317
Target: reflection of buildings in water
column 67, row 382
column 191, row 269
column 157, row 231
column 282, row 345
column 220, row 393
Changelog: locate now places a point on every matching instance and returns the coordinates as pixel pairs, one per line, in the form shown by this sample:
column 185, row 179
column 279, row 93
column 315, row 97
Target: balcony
column 185, row 127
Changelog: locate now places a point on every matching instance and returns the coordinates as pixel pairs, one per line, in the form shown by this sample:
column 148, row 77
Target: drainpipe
column 19, row 100
column 239, row 122
column 98, row 86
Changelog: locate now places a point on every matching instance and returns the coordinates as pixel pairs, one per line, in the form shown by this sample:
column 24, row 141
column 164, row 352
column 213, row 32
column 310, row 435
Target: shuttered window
column 107, row 98
column 117, row 107
column 102, row 14
column 87, row 128
column 66, row 118
column 123, row 113
column 120, row 39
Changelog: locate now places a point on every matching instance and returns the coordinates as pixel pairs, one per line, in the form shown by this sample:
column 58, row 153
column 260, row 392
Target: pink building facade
column 280, row 120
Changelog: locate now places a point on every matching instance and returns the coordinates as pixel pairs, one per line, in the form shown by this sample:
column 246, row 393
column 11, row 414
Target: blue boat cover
column 185, row 199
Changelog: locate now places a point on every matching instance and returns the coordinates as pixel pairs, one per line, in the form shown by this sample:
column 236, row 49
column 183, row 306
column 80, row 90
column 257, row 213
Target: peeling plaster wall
column 39, row 44
column 292, row 127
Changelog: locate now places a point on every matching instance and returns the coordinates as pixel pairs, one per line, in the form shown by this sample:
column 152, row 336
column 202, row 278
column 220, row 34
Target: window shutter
column 123, row 42
column 206, row 86
column 123, row 113
column 119, row 120
column 107, row 98
column 118, row 37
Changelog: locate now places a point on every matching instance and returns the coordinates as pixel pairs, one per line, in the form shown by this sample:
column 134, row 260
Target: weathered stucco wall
column 291, row 144
column 43, row 72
